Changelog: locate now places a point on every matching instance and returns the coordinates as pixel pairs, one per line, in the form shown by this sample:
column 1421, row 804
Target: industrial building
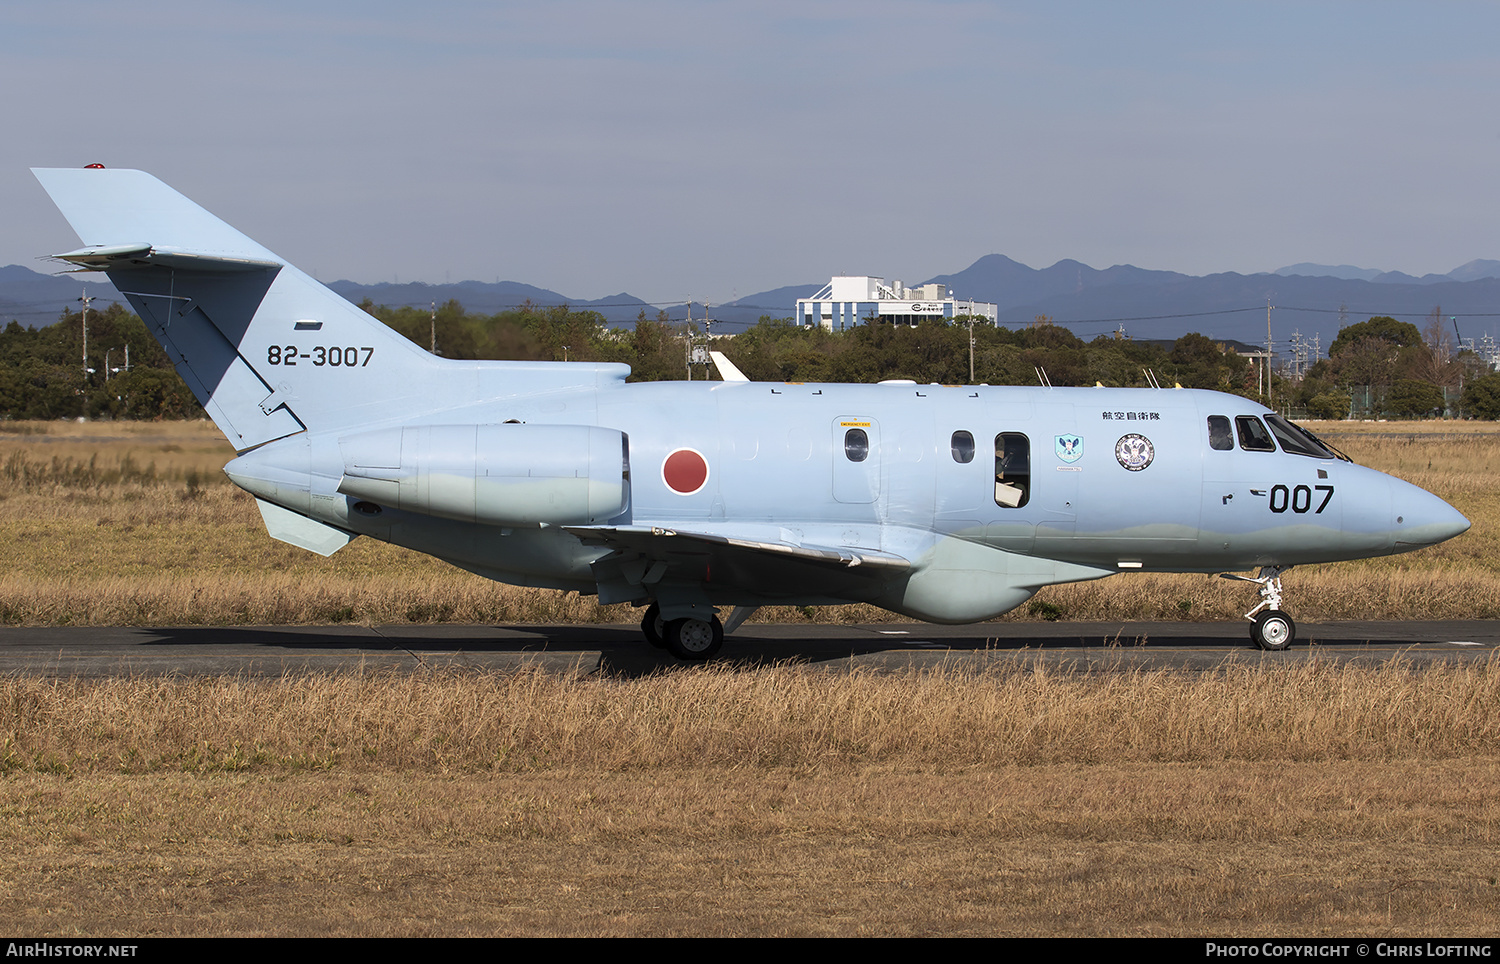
column 849, row 300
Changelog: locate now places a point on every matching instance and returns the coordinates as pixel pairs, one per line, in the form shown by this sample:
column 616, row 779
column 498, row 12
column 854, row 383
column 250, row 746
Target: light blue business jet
column 948, row 504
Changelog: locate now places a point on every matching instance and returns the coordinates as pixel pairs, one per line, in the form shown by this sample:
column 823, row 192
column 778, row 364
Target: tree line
column 1379, row 367
column 1385, row 367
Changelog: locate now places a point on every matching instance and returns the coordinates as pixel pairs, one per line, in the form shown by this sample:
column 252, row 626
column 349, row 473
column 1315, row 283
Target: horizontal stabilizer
column 116, row 257
column 123, row 208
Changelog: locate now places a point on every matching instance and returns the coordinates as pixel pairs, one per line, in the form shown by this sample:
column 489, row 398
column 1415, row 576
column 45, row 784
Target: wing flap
column 647, row 558
column 654, row 539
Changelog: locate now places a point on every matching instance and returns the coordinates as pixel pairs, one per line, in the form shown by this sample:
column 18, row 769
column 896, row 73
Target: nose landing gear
column 1270, row 627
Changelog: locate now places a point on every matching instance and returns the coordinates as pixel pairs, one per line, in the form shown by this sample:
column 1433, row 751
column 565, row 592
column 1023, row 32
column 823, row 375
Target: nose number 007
column 1299, row 499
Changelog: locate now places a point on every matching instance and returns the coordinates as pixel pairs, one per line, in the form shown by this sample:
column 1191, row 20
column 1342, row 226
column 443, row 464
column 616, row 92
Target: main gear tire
column 695, row 640
column 653, row 628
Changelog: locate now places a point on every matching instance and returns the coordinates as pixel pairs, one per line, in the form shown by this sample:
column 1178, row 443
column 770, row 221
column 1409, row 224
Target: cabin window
column 1253, row 435
column 1012, row 469
column 856, row 445
column 1219, row 435
column 1296, row 440
column 962, row 446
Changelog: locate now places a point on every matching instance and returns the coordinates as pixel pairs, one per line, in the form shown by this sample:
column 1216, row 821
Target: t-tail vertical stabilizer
column 267, row 350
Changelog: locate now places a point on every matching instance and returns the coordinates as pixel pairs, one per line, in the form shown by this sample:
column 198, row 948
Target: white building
column 852, row 300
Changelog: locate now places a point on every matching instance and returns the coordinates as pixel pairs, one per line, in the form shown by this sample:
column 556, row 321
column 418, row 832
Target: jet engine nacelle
column 509, row 474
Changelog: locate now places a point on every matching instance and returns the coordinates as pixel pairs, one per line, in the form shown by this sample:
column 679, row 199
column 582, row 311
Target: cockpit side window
column 1294, row 440
column 1253, row 435
column 1012, row 469
column 1220, row 437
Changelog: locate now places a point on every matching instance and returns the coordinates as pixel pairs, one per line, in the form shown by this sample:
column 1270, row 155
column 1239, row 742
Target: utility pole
column 85, row 315
column 971, row 340
column 1268, row 354
column 433, row 349
column 1301, row 349
column 83, row 392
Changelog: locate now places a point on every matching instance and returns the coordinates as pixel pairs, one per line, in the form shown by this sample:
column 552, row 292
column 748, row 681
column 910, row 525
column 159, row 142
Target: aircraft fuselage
column 1113, row 480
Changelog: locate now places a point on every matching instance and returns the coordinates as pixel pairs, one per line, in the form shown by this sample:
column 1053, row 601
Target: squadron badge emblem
column 1069, row 448
column 1134, row 452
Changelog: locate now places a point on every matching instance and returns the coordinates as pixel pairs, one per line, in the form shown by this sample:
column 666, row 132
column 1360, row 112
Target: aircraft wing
column 646, row 556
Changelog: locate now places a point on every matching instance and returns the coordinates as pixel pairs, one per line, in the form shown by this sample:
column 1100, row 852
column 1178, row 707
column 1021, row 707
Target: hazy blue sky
column 718, row 149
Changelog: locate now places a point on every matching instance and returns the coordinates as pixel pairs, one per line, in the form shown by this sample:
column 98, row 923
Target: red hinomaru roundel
column 685, row 471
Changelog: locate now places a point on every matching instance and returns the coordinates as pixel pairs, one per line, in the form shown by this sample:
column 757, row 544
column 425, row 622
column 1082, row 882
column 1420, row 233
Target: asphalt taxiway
column 1101, row 647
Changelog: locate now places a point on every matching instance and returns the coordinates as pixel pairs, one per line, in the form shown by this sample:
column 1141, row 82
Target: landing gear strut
column 1270, row 627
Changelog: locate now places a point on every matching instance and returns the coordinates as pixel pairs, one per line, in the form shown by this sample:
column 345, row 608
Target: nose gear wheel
column 1273, row 630
column 1270, row 627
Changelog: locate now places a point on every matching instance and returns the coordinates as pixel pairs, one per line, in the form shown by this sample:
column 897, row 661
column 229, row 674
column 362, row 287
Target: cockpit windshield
column 1296, row 440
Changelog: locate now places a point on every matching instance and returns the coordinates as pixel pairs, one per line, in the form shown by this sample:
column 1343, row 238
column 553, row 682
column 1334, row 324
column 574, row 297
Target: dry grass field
column 1265, row 799
column 1305, row 799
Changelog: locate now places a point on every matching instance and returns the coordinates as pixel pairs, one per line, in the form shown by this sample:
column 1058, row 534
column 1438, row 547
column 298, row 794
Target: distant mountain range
column 35, row 299
column 1308, row 298
column 1473, row 271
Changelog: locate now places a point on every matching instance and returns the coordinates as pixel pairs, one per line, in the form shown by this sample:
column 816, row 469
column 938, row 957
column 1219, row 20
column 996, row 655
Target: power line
column 1185, row 314
column 1390, row 314
column 580, row 306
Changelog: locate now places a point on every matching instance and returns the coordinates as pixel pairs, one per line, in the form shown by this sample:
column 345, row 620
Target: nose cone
column 1421, row 518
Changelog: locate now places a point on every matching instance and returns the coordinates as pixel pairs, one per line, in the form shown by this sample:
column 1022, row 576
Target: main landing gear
column 1270, row 627
column 689, row 639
